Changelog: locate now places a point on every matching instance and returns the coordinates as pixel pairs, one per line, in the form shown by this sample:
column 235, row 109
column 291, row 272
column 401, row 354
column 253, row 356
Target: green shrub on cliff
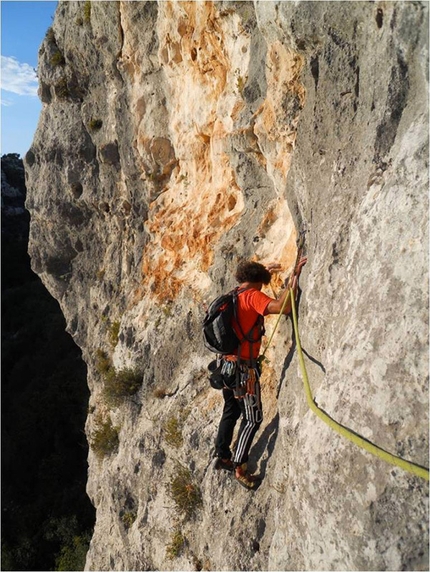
column 57, row 59
column 50, row 35
column 128, row 518
column 184, row 492
column 103, row 363
column 117, row 384
column 114, row 333
column 105, row 439
column 62, row 89
column 121, row 384
column 176, row 545
column 73, row 555
column 172, row 428
column 87, row 11
column 95, row 124
column 173, row 432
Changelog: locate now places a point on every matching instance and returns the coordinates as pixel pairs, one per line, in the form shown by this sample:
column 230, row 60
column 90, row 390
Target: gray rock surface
column 177, row 138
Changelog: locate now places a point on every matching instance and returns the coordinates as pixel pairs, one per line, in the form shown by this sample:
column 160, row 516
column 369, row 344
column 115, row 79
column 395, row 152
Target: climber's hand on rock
column 274, row 267
column 293, row 281
column 301, row 263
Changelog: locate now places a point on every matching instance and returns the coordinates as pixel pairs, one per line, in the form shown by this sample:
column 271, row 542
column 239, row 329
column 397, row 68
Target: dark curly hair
column 248, row 271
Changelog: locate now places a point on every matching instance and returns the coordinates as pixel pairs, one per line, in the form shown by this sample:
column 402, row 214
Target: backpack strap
column 245, row 337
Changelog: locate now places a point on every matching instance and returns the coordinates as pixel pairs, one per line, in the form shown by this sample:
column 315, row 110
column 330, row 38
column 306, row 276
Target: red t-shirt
column 251, row 304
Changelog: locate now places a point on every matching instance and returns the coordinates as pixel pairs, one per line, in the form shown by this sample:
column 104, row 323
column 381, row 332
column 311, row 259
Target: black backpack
column 218, row 333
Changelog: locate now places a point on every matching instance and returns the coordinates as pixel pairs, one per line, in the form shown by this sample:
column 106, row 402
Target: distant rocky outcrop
column 14, row 217
column 47, row 518
column 177, row 138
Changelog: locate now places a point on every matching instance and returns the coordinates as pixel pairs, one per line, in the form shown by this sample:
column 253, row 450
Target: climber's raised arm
column 275, row 306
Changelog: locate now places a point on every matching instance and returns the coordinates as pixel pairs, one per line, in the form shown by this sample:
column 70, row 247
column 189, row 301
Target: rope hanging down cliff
column 413, row 468
column 344, row 431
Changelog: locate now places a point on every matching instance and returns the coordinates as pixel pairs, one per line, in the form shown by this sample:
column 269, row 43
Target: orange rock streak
column 202, row 199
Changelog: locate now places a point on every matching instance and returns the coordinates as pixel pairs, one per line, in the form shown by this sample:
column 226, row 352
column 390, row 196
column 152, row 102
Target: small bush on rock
column 121, row 384
column 57, row 59
column 103, row 363
column 114, row 333
column 62, row 89
column 87, row 11
column 127, row 518
column 50, row 36
column 176, row 546
column 95, row 124
column 184, row 492
column 105, row 439
column 73, row 555
column 173, row 432
column 173, row 428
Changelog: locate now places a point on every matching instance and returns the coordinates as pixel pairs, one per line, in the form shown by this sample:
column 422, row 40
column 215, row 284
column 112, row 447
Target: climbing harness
column 413, row 468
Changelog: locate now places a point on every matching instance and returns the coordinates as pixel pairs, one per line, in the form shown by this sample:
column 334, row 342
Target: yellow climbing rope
column 360, row 441
column 281, row 313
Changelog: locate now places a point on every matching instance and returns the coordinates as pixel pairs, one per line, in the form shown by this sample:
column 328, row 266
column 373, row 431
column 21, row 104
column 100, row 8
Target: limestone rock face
column 177, row 138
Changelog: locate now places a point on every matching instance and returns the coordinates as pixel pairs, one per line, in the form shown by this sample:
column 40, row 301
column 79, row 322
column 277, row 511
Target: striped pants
column 250, row 408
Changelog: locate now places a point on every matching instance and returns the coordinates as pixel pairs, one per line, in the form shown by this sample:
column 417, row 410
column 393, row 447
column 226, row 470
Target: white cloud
column 6, row 102
column 17, row 77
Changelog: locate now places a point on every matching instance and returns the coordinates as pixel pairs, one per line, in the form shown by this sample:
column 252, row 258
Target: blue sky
column 23, row 27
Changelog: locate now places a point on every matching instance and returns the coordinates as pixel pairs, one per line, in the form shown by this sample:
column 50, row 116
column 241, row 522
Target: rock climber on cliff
column 245, row 398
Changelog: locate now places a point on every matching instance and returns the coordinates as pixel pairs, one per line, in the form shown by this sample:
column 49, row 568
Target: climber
column 245, row 398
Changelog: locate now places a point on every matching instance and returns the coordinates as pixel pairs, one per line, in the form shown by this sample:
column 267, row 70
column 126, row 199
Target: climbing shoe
column 225, row 464
column 248, row 481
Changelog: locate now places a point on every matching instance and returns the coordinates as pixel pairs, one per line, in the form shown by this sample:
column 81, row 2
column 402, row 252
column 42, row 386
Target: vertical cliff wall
column 177, row 138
